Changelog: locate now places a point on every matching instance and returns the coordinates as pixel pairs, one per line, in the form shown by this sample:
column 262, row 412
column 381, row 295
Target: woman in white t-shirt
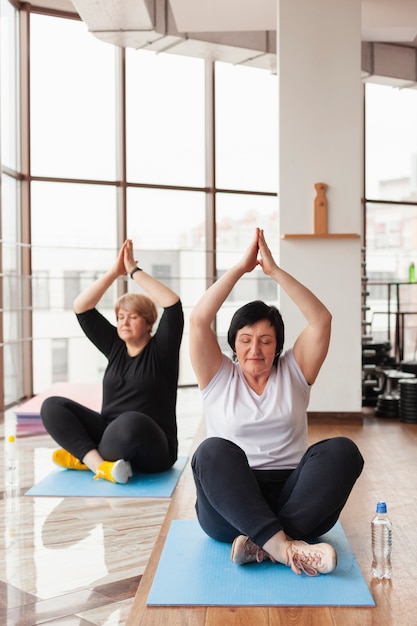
column 259, row 486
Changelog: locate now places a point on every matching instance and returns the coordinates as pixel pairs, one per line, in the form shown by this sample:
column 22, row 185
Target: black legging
column 233, row 499
column 132, row 436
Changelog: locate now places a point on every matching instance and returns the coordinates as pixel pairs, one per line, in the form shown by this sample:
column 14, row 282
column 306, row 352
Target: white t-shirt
column 272, row 427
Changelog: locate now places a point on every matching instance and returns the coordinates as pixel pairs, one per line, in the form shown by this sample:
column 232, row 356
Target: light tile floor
column 75, row 561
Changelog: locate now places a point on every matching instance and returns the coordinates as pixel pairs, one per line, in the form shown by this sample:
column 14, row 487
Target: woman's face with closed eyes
column 132, row 327
column 255, row 348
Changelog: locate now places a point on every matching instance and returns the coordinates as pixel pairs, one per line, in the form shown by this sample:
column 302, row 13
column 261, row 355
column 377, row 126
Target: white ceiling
column 224, row 15
column 390, row 21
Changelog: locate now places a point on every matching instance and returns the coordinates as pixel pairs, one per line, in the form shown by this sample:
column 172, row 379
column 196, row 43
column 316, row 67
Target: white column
column 320, row 140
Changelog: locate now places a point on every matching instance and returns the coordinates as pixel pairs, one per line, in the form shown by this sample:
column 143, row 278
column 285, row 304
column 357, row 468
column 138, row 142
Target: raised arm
column 311, row 346
column 125, row 263
column 89, row 298
column 205, row 352
column 163, row 295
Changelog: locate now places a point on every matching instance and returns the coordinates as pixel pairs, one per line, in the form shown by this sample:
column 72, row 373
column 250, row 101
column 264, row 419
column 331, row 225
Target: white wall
column 320, row 140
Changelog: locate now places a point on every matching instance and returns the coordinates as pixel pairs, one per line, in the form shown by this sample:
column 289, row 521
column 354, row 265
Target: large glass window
column 13, row 335
column 73, row 242
column 246, row 128
column 391, row 143
column 165, row 119
column 163, row 201
column 8, row 89
column 11, row 282
column 73, row 101
column 391, row 216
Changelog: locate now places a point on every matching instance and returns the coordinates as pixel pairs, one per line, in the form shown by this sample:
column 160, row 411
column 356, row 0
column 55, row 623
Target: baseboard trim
column 330, row 417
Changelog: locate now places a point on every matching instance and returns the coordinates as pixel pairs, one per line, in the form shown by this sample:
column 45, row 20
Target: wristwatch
column 137, row 269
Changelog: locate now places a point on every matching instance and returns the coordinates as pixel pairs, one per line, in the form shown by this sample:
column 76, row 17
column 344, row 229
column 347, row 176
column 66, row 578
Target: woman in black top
column 136, row 428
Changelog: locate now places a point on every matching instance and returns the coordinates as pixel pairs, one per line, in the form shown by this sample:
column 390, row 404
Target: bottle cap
column 381, row 507
column 11, row 439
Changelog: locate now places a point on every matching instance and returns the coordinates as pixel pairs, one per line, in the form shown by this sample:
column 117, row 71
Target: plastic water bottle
column 381, row 543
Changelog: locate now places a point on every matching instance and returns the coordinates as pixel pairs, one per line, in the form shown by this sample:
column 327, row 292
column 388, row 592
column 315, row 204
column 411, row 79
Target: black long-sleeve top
column 146, row 382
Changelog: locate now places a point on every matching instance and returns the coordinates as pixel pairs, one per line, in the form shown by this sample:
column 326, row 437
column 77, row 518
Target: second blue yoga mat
column 66, row 482
column 196, row 570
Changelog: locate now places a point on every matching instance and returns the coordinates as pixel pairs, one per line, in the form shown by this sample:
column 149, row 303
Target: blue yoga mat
column 196, row 570
column 66, row 482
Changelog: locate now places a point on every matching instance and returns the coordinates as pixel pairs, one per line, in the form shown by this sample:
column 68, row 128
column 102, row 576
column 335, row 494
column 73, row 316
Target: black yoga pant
column 233, row 499
column 132, row 436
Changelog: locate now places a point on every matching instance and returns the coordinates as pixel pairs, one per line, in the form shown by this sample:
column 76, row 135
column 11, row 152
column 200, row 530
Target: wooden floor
column 390, row 473
column 90, row 561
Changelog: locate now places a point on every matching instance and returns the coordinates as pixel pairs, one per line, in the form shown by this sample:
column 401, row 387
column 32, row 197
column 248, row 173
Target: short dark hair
column 253, row 312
